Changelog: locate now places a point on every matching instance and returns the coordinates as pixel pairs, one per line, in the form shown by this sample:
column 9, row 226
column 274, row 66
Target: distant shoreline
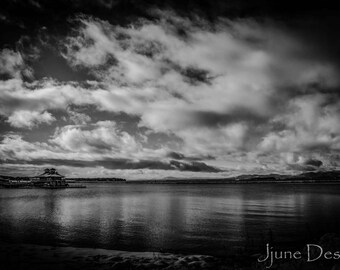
column 212, row 181
column 198, row 182
column 316, row 177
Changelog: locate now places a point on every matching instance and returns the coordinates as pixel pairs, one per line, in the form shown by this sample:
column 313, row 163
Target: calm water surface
column 208, row 219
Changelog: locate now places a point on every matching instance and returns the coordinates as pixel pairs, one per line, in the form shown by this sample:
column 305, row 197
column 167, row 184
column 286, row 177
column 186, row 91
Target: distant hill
column 319, row 176
column 97, row 179
column 307, row 177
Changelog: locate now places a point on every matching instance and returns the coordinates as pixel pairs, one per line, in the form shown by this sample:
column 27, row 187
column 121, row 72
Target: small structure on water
column 50, row 179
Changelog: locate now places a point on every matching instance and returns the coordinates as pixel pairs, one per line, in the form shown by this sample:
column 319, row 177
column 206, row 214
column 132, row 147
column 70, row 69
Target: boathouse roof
column 50, row 173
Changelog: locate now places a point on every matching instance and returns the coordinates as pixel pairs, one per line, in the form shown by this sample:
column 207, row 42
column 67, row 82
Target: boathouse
column 50, row 177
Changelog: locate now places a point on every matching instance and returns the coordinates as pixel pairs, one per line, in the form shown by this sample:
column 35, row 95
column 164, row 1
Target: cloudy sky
column 142, row 90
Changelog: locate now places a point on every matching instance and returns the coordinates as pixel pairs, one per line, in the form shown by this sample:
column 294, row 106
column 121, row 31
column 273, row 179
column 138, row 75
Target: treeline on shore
column 97, row 179
column 307, row 177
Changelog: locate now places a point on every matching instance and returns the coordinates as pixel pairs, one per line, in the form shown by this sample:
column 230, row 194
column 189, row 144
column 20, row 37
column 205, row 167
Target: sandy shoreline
column 23, row 256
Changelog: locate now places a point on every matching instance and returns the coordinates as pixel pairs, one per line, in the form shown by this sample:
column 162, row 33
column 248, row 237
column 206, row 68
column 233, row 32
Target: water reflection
column 182, row 218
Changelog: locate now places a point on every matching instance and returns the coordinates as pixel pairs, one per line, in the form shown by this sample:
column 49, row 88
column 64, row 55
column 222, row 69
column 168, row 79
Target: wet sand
column 24, row 256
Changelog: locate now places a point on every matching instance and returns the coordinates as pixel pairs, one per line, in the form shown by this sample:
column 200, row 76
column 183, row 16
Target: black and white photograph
column 169, row 135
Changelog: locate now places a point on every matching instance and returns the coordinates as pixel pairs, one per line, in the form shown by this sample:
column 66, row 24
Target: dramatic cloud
column 310, row 125
column 313, row 162
column 10, row 63
column 100, row 137
column 29, row 119
column 127, row 164
column 302, row 164
column 98, row 146
column 177, row 93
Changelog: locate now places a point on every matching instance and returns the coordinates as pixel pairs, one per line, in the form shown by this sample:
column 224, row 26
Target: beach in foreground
column 23, row 256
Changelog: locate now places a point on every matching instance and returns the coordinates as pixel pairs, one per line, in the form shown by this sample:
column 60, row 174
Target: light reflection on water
column 210, row 219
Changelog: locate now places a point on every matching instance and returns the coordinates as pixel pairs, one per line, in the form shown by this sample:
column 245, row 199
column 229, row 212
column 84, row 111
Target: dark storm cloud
column 193, row 167
column 180, row 156
column 196, row 75
column 313, row 162
column 175, row 155
column 307, row 165
column 124, row 164
column 298, row 167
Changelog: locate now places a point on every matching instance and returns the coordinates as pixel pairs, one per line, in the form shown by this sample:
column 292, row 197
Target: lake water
column 206, row 219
